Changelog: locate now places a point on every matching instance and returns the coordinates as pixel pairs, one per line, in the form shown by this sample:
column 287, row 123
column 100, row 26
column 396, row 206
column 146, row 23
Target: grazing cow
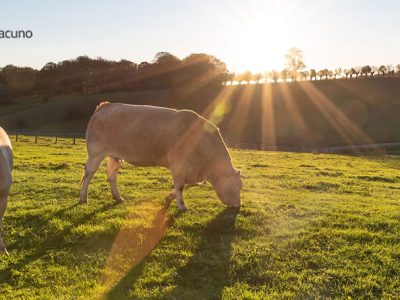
column 180, row 140
column 6, row 164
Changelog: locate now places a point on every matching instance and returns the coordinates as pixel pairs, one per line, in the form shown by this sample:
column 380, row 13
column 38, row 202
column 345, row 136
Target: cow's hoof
column 182, row 208
column 120, row 200
column 3, row 249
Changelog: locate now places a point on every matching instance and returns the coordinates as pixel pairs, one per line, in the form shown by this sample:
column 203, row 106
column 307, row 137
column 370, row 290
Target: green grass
column 311, row 226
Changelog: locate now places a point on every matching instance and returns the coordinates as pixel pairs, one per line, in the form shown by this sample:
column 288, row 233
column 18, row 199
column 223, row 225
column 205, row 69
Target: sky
column 247, row 35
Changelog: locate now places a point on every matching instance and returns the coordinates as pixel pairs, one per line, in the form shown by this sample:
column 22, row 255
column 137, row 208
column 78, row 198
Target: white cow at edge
column 180, row 140
column 6, row 165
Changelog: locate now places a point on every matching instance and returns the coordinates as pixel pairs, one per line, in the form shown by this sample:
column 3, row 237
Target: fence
column 378, row 147
column 49, row 134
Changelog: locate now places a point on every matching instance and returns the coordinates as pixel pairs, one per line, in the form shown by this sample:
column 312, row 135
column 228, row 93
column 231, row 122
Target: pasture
column 311, row 225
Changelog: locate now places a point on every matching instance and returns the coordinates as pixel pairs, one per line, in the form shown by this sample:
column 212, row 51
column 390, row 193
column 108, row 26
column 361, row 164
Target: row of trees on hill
column 84, row 75
column 296, row 70
column 88, row 76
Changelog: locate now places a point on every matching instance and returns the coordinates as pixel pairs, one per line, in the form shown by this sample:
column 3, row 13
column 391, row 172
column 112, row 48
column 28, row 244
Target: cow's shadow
column 207, row 271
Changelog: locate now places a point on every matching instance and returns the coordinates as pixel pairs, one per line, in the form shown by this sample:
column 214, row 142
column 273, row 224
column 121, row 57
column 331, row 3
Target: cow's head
column 228, row 189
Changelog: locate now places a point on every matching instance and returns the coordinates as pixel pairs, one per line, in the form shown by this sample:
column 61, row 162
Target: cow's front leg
column 179, row 196
column 179, row 184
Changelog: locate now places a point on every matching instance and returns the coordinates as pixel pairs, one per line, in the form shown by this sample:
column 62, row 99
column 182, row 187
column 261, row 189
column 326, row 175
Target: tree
column 284, row 74
column 19, row 80
column 321, row 73
column 313, row 74
column 273, row 75
column 304, row 75
column 230, row 77
column 337, row 72
column 165, row 58
column 294, row 62
column 202, row 69
column 382, row 69
column 373, row 71
column 5, row 96
column 355, row 71
column 365, row 70
column 389, row 69
column 238, row 78
column 326, row 73
column 247, row 76
column 258, row 77
column 358, row 71
column 398, row 69
column 347, row 73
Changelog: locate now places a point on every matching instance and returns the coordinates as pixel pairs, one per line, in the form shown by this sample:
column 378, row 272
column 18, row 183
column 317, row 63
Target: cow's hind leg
column 113, row 165
column 91, row 167
column 3, row 206
column 170, row 197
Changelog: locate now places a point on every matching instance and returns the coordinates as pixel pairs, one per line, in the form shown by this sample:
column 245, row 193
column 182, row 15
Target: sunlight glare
column 260, row 37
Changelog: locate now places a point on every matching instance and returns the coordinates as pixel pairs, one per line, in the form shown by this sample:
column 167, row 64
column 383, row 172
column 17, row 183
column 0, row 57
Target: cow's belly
column 140, row 156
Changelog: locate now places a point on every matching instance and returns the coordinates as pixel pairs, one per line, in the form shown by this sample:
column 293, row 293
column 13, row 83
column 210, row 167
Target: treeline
column 286, row 75
column 296, row 70
column 85, row 75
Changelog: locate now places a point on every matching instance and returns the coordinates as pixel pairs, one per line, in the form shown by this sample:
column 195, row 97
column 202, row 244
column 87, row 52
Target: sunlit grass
column 310, row 226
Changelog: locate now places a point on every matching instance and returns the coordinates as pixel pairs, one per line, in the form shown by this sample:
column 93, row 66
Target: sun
column 260, row 48
column 260, row 37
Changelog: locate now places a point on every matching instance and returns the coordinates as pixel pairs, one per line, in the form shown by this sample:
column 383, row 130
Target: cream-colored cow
column 6, row 165
column 180, row 140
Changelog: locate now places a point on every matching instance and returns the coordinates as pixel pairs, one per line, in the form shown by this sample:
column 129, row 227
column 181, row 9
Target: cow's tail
column 101, row 105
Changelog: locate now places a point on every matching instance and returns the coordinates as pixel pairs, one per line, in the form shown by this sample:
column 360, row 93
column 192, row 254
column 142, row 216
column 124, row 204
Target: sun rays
column 282, row 117
column 133, row 244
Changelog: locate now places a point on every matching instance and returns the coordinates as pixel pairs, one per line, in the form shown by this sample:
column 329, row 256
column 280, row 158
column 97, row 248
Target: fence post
column 36, row 138
column 16, row 136
column 55, row 142
column 73, row 143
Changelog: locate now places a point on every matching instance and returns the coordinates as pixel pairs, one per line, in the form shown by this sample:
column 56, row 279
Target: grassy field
column 311, row 226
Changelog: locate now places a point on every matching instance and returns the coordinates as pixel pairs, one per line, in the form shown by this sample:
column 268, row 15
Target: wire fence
column 47, row 134
column 75, row 136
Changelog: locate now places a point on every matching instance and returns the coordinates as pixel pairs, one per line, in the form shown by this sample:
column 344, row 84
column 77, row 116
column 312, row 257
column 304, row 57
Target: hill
column 300, row 114
column 311, row 226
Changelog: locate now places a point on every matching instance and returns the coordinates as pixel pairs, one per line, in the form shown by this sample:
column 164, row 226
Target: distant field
column 301, row 114
column 311, row 226
column 66, row 113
